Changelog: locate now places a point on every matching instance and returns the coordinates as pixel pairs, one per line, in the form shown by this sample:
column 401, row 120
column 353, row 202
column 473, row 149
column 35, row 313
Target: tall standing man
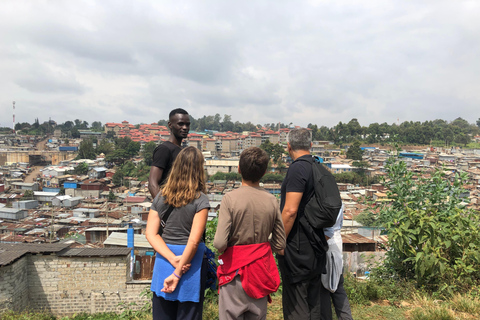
column 300, row 266
column 164, row 154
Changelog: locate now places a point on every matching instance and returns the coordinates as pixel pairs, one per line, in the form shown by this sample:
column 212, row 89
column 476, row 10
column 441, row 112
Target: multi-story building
column 253, row 140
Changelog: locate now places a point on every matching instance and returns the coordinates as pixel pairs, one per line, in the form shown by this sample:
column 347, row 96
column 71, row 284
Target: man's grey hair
column 300, row 139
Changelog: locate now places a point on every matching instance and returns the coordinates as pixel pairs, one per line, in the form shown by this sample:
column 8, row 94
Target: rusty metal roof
column 95, row 252
column 356, row 238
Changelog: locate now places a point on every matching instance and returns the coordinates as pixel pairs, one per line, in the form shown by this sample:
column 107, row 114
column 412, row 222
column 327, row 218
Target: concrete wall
column 14, row 286
column 68, row 285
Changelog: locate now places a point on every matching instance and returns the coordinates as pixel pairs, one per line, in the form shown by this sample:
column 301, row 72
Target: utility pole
column 51, row 226
column 107, row 220
column 14, row 119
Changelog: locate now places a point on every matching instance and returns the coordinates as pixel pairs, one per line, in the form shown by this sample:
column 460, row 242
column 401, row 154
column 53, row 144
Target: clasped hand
column 171, row 282
column 175, row 262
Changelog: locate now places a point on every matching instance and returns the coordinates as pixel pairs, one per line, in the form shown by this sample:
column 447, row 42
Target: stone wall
column 13, row 286
column 69, row 285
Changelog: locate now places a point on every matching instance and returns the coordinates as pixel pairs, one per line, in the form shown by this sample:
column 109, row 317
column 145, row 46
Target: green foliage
column 355, row 178
column 86, row 150
column 82, row 168
column 111, row 196
column 231, row 176
column 218, row 176
column 117, row 178
column 139, row 313
column 104, row 147
column 354, row 152
column 26, row 315
column 97, row 126
column 75, row 133
column 274, row 151
column 432, row 238
column 376, row 287
column 272, row 177
column 210, row 233
column 130, row 169
column 27, row 195
column 125, row 149
column 147, row 153
column 367, row 218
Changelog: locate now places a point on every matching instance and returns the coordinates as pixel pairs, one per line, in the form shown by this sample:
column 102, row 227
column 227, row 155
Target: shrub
column 433, row 238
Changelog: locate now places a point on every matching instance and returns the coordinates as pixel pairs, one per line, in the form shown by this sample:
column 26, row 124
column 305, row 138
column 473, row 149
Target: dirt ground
column 33, row 174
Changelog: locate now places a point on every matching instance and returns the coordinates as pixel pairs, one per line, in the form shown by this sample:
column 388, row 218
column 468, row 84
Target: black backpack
column 323, row 207
column 322, row 210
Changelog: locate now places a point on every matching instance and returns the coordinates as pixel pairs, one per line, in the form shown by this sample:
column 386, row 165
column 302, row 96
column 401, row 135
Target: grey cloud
column 317, row 61
column 46, row 85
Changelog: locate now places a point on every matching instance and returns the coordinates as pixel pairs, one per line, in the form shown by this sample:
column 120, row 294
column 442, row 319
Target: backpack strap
column 163, row 222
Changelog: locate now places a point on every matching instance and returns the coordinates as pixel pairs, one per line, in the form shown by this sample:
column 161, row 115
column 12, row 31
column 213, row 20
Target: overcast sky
column 297, row 61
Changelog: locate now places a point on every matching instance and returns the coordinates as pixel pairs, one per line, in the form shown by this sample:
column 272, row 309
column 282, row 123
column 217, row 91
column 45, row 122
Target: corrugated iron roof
column 9, row 252
column 95, row 252
column 34, row 248
column 356, row 238
column 7, row 257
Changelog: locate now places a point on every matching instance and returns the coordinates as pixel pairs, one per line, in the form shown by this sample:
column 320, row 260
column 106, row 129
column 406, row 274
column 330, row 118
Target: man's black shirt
column 300, row 260
column 163, row 157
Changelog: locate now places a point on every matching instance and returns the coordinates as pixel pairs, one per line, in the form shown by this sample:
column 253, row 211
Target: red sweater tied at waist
column 256, row 266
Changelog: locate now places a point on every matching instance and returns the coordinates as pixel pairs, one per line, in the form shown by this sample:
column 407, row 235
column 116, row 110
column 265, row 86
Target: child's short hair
column 253, row 164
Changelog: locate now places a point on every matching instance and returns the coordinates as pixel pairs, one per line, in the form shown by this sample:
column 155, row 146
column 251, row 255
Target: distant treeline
column 69, row 128
column 458, row 130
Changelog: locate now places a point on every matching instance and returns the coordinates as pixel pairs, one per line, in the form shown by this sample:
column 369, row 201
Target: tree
column 133, row 148
column 75, row 133
column 111, row 196
column 272, row 177
column 233, row 176
column 117, row 178
column 68, row 125
column 227, row 124
column 274, row 151
column 86, row 150
column 462, row 138
column 104, row 147
column 117, row 156
column 354, row 128
column 82, row 168
column 447, row 135
column 147, row 153
column 361, row 165
column 218, row 176
column 354, row 152
column 28, row 195
column 97, row 126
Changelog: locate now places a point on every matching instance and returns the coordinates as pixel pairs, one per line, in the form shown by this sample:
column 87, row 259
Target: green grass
column 370, row 300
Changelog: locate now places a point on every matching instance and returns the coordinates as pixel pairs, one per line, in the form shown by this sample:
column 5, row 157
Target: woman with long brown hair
column 179, row 274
